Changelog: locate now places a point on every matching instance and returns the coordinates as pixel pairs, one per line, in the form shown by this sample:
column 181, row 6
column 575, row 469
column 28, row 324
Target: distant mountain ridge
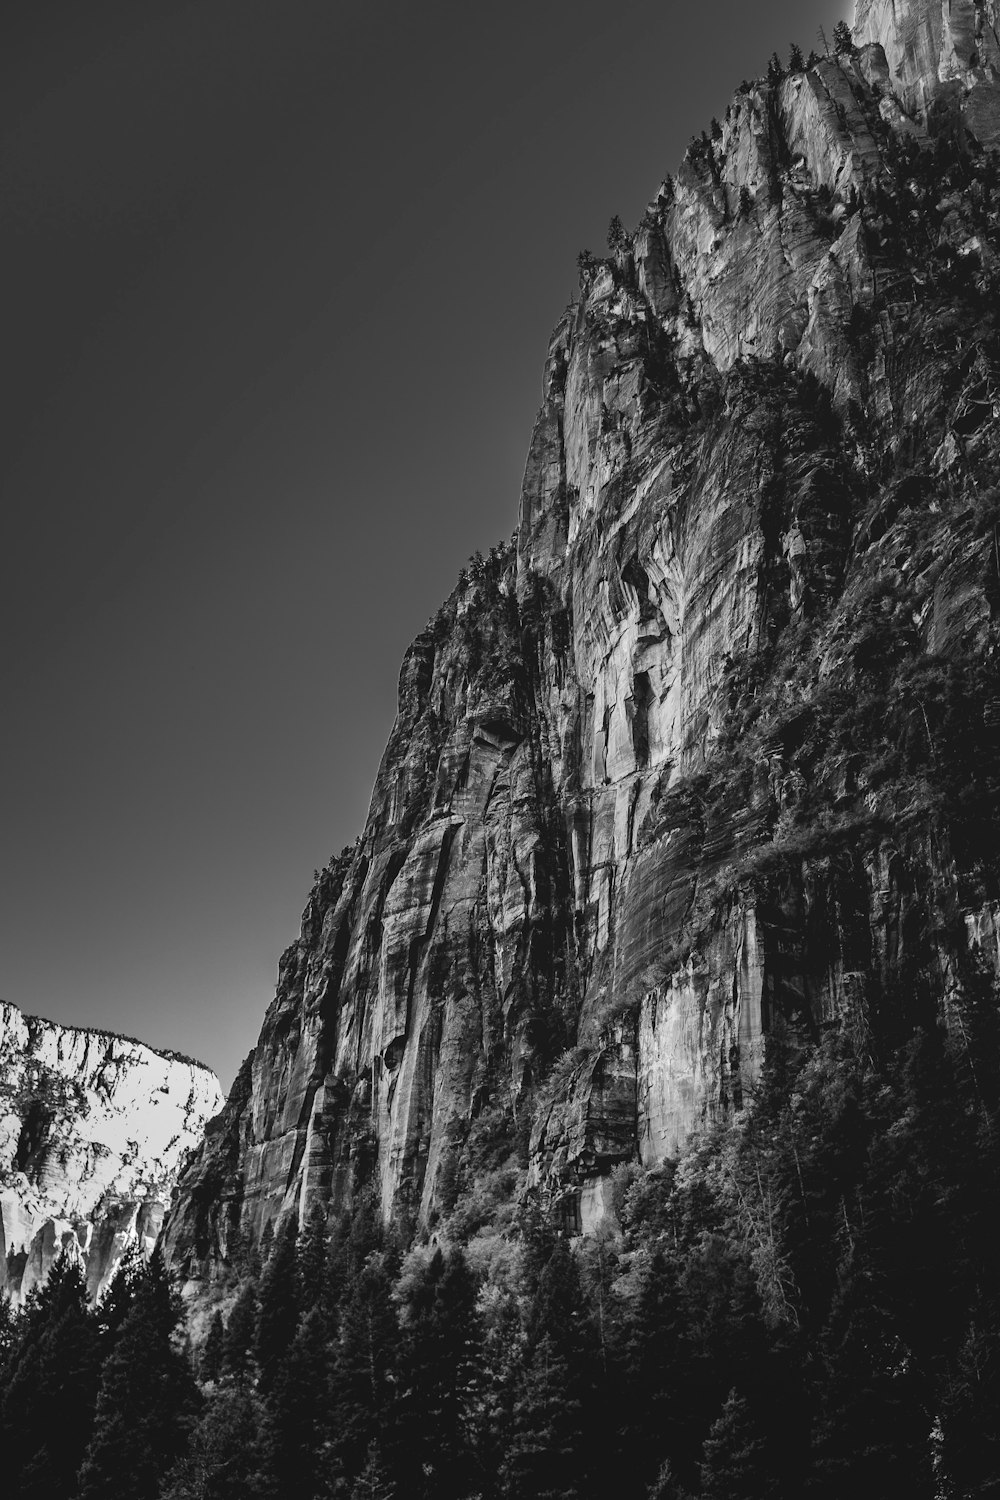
column 94, row 1128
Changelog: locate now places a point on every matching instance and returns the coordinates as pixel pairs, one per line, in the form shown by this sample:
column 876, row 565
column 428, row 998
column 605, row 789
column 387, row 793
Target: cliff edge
column 710, row 747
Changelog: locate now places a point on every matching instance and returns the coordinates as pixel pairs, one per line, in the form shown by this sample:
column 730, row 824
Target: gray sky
column 276, row 284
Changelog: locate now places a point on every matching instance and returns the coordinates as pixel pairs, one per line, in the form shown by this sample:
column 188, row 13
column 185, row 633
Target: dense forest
column 804, row 1304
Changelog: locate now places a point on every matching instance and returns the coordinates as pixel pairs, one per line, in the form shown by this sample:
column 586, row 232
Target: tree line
column 804, row 1304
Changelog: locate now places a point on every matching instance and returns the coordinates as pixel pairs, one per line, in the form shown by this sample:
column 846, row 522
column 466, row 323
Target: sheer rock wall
column 722, row 410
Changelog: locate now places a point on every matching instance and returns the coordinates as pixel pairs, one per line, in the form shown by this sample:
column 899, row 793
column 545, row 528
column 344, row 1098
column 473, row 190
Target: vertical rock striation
column 93, row 1131
column 942, row 59
column 698, row 751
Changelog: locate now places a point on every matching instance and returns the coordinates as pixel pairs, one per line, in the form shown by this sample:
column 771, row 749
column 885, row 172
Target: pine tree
column 871, row 1436
column 119, row 1299
column 373, row 1483
column 434, row 1370
column 8, row 1333
column 47, row 1410
column 278, row 1305
column 266, row 1246
column 298, row 1432
column 225, row 1459
column 666, row 1487
column 547, row 1452
column 971, row 1408
column 655, row 1416
column 210, row 1365
column 312, row 1257
column 147, row 1396
column 796, row 62
column 489, row 1397
column 736, row 1465
column 238, row 1341
column 363, row 1365
column 843, row 41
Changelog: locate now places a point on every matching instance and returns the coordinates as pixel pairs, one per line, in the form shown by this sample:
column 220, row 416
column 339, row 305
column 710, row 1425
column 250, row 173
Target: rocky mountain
column 710, row 748
column 93, row 1131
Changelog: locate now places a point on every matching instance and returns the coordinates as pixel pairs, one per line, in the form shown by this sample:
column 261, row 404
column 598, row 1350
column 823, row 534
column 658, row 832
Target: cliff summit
column 94, row 1128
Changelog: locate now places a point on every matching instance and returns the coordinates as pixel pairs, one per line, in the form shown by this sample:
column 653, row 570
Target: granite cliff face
column 943, row 59
column 709, row 745
column 93, row 1131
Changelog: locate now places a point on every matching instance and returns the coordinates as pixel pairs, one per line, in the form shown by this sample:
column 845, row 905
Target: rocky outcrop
column 656, row 782
column 942, row 59
column 93, row 1131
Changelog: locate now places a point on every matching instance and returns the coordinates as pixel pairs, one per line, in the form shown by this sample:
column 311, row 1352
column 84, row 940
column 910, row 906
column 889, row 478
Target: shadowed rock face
column 625, row 817
column 93, row 1130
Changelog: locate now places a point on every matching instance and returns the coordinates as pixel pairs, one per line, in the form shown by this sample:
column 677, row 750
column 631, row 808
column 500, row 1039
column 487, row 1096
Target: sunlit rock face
column 942, row 59
column 93, row 1131
column 582, row 899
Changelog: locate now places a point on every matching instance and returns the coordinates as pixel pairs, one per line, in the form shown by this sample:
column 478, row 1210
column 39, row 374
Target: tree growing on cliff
column 843, row 40
column 617, row 237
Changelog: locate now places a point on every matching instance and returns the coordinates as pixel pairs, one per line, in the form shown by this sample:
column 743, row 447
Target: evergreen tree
column 361, row 1383
column 796, row 62
column 489, row 1399
column 434, row 1372
column 225, row 1460
column 298, row 1436
column 547, row 1452
column 119, row 1299
column 48, row 1404
column 544, row 1456
column 373, row 1483
column 147, row 1395
column 8, row 1333
column 312, row 1257
column 666, row 1487
column 872, row 1432
column 970, row 1459
column 266, row 1245
column 239, row 1336
column 654, row 1415
column 736, row 1465
column 843, row 41
column 212, row 1354
column 278, row 1305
